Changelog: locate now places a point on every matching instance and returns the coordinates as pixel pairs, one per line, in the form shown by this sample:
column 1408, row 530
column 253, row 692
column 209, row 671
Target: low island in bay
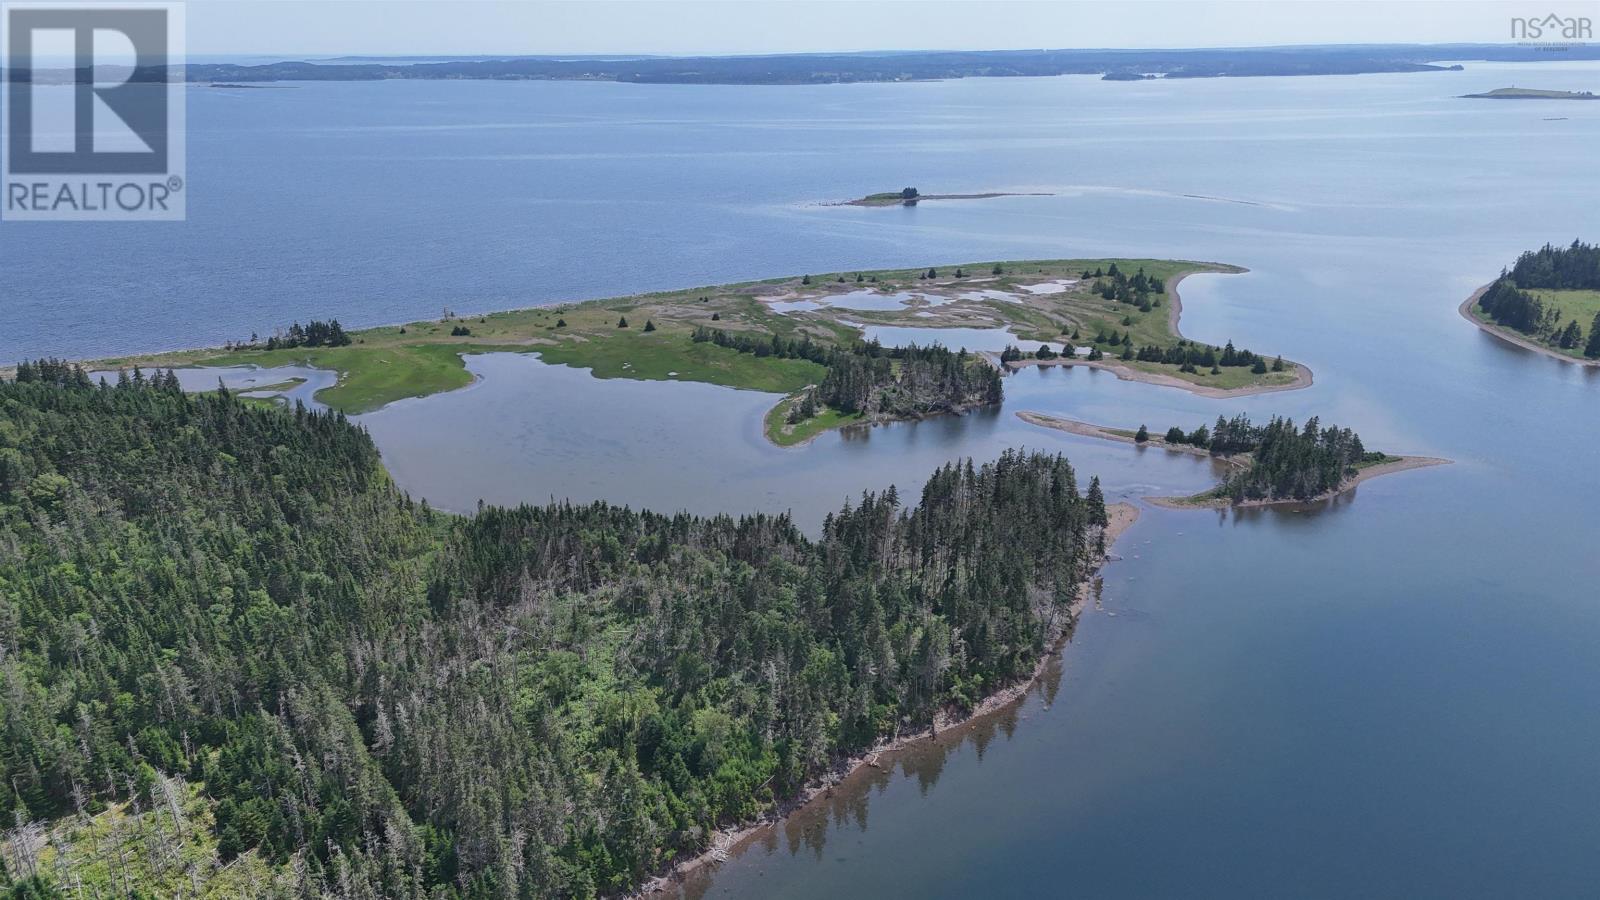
column 812, row 338
column 1516, row 93
column 1548, row 301
column 911, row 197
column 1268, row 465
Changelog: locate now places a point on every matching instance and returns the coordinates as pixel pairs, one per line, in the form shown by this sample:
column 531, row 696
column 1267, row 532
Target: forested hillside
column 375, row 700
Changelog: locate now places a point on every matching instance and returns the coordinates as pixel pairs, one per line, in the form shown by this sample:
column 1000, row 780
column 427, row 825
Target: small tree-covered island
column 236, row 660
column 808, row 337
column 1548, row 301
column 1271, row 464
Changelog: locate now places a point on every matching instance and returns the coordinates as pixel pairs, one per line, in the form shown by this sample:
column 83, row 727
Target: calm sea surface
column 1397, row 695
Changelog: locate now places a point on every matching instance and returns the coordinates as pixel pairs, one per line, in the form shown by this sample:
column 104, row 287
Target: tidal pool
column 540, row 432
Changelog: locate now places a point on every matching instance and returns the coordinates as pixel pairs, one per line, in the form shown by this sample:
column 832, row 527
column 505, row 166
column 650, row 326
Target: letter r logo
column 107, row 114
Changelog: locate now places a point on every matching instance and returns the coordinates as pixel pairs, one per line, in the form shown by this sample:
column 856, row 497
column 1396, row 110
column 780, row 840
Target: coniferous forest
column 904, row 382
column 1299, row 463
column 877, row 381
column 1278, row 460
column 379, row 700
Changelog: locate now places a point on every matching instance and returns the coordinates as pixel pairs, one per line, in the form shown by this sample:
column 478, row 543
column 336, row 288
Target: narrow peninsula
column 843, row 348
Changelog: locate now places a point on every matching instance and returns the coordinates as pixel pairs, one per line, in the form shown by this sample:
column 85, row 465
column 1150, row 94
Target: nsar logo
column 1552, row 28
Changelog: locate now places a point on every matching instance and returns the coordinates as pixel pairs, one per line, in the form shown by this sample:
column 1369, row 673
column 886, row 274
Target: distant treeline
column 382, row 701
column 820, row 68
column 763, row 346
column 1572, row 268
column 1509, row 303
column 1187, row 355
column 316, row 334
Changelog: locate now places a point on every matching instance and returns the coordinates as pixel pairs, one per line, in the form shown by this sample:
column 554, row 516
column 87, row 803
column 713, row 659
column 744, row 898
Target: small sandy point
column 1086, row 429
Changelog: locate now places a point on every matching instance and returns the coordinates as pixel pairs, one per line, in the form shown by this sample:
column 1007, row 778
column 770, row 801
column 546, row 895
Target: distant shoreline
column 822, row 69
column 1511, row 337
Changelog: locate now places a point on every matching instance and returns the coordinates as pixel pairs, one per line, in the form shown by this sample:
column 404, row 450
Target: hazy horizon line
column 712, row 54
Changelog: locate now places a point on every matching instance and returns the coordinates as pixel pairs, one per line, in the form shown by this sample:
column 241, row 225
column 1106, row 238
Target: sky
column 687, row 27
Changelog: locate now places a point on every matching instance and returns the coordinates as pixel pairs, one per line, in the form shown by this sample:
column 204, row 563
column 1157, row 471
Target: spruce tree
column 1097, row 504
column 1142, row 435
column 1571, row 336
column 1592, row 350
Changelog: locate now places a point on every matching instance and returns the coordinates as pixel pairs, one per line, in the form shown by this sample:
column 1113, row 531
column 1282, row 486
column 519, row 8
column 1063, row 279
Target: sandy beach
column 1086, row 429
column 1121, row 517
